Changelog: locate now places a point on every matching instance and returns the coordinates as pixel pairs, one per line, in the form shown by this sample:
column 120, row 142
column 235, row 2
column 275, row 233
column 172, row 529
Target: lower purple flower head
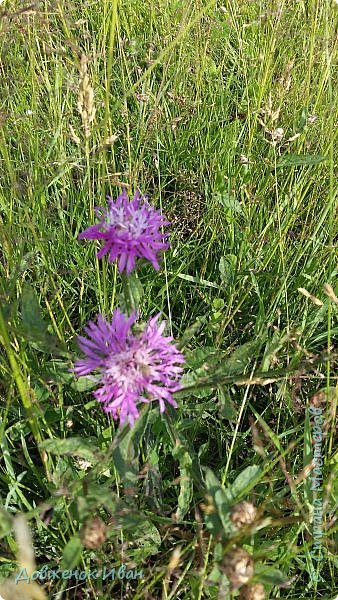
column 133, row 367
column 129, row 230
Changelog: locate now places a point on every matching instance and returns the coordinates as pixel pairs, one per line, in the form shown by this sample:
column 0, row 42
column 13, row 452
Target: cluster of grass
column 225, row 116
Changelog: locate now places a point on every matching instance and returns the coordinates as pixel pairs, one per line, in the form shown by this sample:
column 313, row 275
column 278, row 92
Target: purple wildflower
column 130, row 365
column 129, row 230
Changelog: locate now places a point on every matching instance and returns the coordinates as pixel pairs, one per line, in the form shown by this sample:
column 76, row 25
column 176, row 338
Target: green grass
column 187, row 88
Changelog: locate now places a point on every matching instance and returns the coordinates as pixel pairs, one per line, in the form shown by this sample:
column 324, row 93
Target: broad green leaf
column 217, row 518
column 132, row 291
column 272, row 347
column 269, row 575
column 303, row 119
column 136, row 290
column 185, row 450
column 229, row 202
column 203, row 357
column 152, row 485
column 245, row 481
column 212, row 364
column 31, row 312
column 294, row 160
column 215, row 574
column 71, row 553
column 215, row 363
column 57, row 371
column 74, row 446
column 227, row 269
column 201, row 361
column 34, row 327
column 226, row 409
column 191, row 331
column 187, row 381
column 145, row 540
column 240, row 358
column 85, row 384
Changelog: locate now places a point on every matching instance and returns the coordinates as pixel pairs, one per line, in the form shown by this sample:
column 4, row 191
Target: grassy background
column 189, row 98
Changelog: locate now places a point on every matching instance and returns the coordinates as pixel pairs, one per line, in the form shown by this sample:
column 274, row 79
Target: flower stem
column 132, row 291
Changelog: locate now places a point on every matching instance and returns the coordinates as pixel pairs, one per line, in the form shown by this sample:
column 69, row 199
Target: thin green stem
column 21, row 384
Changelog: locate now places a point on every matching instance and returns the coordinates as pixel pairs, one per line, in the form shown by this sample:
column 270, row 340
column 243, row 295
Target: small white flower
column 312, row 118
column 277, row 134
column 29, row 112
column 83, row 464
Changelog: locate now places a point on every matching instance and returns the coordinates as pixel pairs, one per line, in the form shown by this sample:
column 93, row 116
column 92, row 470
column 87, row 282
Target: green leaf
column 31, row 312
column 188, row 380
column 227, row 269
column 152, row 484
column 211, row 364
column 71, row 553
column 245, row 481
column 74, row 446
column 56, row 371
column 303, row 120
column 135, row 289
column 126, row 452
column 191, row 331
column 146, row 539
column 240, row 358
column 272, row 347
column 34, row 327
column 132, row 292
column 215, row 574
column 229, row 202
column 85, row 384
column 294, row 160
column 198, row 280
column 218, row 518
column 5, row 523
column 227, row 409
column 269, row 575
column 203, row 357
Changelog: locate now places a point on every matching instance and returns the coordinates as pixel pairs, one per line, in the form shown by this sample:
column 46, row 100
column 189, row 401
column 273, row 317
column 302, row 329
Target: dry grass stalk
column 21, row 589
column 85, row 102
column 74, row 136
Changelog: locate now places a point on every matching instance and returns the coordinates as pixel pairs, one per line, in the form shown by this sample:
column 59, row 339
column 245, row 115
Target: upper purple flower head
column 129, row 229
column 132, row 367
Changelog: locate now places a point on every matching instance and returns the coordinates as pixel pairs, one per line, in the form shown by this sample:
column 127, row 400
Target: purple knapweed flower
column 132, row 367
column 130, row 229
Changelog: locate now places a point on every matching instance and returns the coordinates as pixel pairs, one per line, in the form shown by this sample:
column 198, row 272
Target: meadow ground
column 226, row 116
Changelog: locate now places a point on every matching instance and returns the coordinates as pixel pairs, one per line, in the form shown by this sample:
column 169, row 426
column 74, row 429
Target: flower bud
column 238, row 567
column 243, row 514
column 93, row 534
column 252, row 592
